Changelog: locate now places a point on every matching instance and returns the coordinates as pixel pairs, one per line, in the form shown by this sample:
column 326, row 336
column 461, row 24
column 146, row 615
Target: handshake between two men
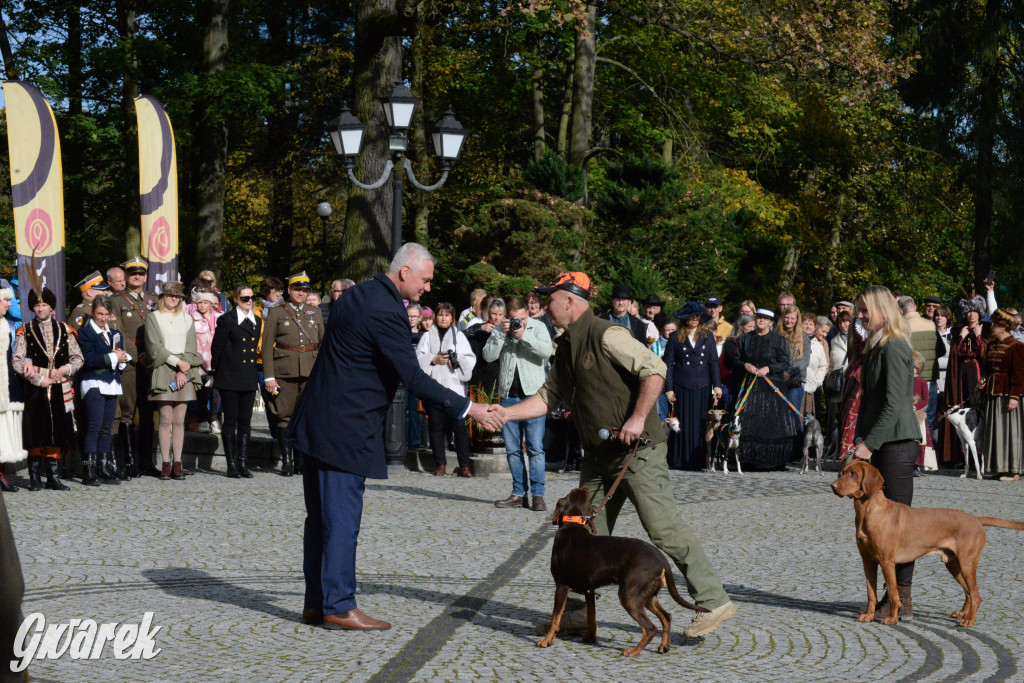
column 493, row 417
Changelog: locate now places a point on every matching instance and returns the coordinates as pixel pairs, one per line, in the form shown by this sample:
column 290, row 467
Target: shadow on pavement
column 192, row 583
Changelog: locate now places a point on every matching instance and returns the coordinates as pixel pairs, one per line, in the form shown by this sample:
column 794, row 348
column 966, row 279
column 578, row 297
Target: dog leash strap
column 622, row 473
column 783, row 397
column 744, row 394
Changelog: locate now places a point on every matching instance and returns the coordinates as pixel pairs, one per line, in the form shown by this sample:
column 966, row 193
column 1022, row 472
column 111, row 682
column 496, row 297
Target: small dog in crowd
column 584, row 562
column 889, row 533
column 712, row 423
column 967, row 423
column 727, row 444
column 813, row 438
column 670, row 424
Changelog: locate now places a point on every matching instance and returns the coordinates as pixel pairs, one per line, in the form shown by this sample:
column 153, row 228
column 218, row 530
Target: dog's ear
column 586, row 491
column 870, row 480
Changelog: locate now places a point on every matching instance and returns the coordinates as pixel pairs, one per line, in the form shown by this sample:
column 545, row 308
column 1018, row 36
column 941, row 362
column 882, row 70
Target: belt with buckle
column 300, row 349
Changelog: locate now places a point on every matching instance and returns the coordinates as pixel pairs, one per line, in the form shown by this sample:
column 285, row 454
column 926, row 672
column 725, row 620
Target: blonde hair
column 879, row 301
column 918, row 362
column 795, row 337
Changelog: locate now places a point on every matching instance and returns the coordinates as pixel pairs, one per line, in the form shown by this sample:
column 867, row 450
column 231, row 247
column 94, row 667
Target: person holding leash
column 887, row 432
column 611, row 382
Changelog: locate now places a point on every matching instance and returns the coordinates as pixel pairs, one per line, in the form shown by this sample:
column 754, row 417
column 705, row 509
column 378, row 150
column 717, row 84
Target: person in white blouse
column 105, row 358
column 435, row 353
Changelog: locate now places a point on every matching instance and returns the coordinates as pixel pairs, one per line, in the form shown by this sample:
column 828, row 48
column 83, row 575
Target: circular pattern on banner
column 160, row 239
column 38, row 231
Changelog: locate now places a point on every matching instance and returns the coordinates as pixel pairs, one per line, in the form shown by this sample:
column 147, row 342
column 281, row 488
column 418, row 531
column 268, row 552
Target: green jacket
column 887, row 398
column 163, row 363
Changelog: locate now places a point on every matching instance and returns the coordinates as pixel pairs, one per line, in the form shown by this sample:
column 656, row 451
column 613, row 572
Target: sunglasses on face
column 245, row 299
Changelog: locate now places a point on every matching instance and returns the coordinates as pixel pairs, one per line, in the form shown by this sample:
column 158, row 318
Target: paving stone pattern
column 219, row 562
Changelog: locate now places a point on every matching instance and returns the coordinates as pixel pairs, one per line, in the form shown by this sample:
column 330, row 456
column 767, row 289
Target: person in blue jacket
column 338, row 425
column 105, row 358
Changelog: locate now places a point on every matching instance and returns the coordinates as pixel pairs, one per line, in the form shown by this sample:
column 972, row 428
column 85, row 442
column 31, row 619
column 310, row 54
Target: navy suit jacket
column 692, row 367
column 96, row 353
column 367, row 351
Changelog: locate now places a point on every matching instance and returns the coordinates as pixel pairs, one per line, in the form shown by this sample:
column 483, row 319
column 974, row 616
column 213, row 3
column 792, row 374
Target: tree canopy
column 686, row 148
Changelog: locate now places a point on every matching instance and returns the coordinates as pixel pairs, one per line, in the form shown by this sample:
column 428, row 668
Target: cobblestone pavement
column 219, row 562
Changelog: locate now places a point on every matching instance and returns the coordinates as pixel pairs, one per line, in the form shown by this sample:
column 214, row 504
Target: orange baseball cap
column 573, row 282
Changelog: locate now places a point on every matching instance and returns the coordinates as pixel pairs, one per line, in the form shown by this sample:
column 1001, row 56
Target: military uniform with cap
column 91, row 286
column 129, row 316
column 598, row 370
column 291, row 340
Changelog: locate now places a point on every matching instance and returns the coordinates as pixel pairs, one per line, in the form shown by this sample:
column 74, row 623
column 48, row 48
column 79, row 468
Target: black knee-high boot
column 89, row 470
column 243, row 455
column 53, row 481
column 230, row 454
column 35, row 467
column 286, row 458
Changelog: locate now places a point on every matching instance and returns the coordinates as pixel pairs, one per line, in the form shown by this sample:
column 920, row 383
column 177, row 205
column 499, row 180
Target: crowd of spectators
column 199, row 359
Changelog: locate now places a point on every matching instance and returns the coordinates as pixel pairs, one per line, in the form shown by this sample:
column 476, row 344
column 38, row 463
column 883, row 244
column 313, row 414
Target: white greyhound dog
column 967, row 423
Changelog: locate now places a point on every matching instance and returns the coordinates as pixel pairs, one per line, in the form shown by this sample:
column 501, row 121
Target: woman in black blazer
column 693, row 381
column 235, row 376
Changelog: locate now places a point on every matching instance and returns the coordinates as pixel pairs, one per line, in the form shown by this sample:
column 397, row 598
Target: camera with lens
column 453, row 358
column 514, row 324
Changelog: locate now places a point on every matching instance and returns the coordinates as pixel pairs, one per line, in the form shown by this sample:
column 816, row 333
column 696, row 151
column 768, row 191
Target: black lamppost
column 323, row 210
column 347, row 136
column 399, row 106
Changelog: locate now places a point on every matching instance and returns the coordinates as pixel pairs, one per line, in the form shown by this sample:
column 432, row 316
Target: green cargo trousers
column 647, row 486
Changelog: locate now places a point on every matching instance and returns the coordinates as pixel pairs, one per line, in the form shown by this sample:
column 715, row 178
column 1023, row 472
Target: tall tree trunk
column 280, row 125
column 74, row 199
column 213, row 145
column 984, row 135
column 10, row 71
column 377, row 64
column 834, row 244
column 130, row 140
column 583, row 89
column 537, row 84
column 562, row 143
column 421, row 145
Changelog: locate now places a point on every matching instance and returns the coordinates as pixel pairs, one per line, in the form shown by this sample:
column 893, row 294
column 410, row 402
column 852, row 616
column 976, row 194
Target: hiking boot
column 884, row 607
column 538, row 504
column 705, row 622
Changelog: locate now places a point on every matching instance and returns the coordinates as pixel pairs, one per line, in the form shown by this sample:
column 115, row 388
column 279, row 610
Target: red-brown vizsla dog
column 583, row 562
column 890, row 533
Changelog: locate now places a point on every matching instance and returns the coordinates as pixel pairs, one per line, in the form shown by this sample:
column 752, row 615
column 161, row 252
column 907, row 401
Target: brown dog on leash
column 890, row 533
column 584, row 562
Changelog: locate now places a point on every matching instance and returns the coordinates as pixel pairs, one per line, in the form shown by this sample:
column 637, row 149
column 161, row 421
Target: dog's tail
column 670, row 583
column 1002, row 523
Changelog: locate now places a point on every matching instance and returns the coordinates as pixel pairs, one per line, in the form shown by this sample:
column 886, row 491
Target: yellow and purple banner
column 37, row 188
column 158, row 191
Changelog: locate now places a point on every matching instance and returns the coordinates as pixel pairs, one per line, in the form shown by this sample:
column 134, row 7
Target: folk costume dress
column 1002, row 436
column 962, row 374
column 693, row 373
column 11, row 404
column 48, row 428
column 768, row 426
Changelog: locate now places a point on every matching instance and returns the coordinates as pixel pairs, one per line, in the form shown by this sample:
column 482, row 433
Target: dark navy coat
column 366, row 353
column 233, row 354
column 96, row 352
column 692, row 366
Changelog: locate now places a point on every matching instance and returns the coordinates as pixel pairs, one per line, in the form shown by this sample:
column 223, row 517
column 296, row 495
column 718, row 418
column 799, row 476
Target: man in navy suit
column 339, row 425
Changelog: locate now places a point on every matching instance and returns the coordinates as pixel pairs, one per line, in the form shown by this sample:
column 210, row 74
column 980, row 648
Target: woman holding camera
column 444, row 354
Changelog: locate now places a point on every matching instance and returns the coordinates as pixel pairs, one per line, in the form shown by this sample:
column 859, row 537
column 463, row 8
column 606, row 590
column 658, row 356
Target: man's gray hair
column 112, row 270
column 906, row 303
column 409, row 254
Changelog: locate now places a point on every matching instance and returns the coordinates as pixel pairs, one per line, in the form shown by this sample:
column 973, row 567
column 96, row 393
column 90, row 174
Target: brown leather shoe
column 313, row 617
column 538, row 504
column 353, row 620
column 165, row 471
column 439, row 472
column 176, row 470
column 464, row 472
column 510, row 502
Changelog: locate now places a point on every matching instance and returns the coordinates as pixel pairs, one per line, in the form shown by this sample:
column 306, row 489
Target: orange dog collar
column 574, row 519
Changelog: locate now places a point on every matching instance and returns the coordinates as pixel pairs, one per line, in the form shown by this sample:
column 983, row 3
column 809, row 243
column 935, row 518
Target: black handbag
column 833, row 385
